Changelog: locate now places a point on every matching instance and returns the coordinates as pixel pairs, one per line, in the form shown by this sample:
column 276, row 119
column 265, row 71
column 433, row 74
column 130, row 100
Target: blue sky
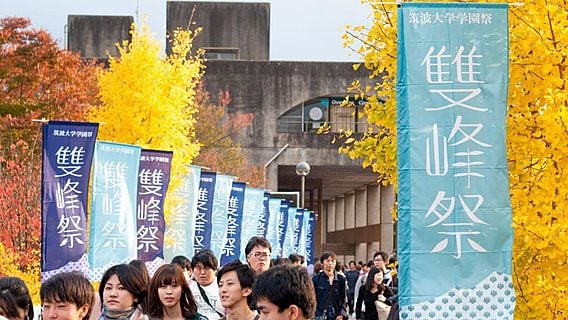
column 301, row 30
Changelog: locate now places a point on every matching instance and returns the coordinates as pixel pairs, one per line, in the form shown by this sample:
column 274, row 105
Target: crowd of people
column 200, row 289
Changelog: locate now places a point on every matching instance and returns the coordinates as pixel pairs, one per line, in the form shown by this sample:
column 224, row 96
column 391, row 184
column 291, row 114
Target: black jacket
column 330, row 298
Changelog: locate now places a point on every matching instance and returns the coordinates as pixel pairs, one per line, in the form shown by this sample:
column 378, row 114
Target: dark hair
column 287, row 285
column 141, row 266
column 183, row 262
column 244, row 272
column 14, row 293
column 279, row 261
column 371, row 279
column 326, row 255
column 318, row 266
column 70, row 287
column 170, row 274
column 383, row 255
column 257, row 242
column 131, row 279
column 205, row 257
column 352, row 262
column 370, row 264
column 294, row 257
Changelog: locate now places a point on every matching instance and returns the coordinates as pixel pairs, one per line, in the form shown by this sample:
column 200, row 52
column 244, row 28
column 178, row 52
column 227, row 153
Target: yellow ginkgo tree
column 537, row 139
column 149, row 99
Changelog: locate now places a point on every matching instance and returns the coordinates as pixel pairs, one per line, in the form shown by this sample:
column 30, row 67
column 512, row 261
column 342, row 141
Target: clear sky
column 301, row 30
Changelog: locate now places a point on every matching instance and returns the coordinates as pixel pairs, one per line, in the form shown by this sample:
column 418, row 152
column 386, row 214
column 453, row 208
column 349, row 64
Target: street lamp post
column 303, row 169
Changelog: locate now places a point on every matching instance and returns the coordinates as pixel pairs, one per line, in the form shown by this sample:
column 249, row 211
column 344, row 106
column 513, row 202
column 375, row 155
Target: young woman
column 123, row 293
column 169, row 296
column 373, row 290
column 15, row 300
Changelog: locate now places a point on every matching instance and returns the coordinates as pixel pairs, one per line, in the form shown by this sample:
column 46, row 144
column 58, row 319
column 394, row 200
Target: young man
column 285, row 293
column 330, row 290
column 380, row 259
column 66, row 296
column 258, row 252
column 235, row 281
column 205, row 289
column 352, row 276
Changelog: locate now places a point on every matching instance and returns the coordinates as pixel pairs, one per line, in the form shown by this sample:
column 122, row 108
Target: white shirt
column 212, row 292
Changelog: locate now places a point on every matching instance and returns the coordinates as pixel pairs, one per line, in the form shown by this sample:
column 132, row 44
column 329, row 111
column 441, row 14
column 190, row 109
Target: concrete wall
column 93, row 36
column 245, row 26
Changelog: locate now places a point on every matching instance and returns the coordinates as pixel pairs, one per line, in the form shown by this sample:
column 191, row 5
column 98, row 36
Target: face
column 378, row 278
column 230, row 290
column 269, row 311
column 115, row 296
column 63, row 311
column 329, row 264
column 203, row 275
column 379, row 262
column 259, row 259
column 352, row 266
column 170, row 295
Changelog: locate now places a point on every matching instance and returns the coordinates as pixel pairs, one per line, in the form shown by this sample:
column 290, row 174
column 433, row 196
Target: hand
column 339, row 317
column 382, row 298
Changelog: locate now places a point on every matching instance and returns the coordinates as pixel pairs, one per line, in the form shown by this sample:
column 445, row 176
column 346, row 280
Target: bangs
column 170, row 276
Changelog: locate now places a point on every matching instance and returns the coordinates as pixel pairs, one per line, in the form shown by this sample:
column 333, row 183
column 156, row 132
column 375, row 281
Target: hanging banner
column 113, row 208
column 302, row 241
column 67, row 153
column 282, row 227
column 453, row 189
column 289, row 235
column 310, row 240
column 204, row 211
column 272, row 229
column 220, row 215
column 252, row 209
column 232, row 249
column 264, row 216
column 297, row 232
column 180, row 232
column 153, row 181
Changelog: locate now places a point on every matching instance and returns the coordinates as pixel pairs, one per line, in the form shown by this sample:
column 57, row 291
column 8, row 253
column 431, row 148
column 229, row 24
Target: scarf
column 118, row 314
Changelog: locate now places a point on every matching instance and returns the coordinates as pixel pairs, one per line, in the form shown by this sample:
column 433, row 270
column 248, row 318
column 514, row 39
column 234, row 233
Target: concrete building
column 290, row 101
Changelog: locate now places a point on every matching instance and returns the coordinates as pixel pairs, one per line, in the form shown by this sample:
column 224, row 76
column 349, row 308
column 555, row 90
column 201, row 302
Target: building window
column 221, row 53
column 312, row 114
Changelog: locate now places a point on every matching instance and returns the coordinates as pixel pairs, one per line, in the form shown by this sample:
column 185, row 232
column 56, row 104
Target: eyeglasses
column 379, row 260
column 259, row 255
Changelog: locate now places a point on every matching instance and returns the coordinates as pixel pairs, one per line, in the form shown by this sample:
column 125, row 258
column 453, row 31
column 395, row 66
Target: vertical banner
column 153, row 181
column 204, row 211
column 232, row 249
column 454, row 205
column 298, row 226
column 272, row 229
column 67, row 153
column 219, row 216
column 113, row 208
column 252, row 209
column 180, row 230
column 302, row 242
column 289, row 235
column 264, row 216
column 310, row 241
column 282, row 226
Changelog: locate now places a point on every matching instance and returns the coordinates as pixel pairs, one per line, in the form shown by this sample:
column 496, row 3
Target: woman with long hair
column 123, row 292
column 373, row 290
column 169, row 296
column 15, row 300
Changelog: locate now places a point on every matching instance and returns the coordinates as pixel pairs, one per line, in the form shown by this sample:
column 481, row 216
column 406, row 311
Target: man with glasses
column 257, row 252
column 380, row 259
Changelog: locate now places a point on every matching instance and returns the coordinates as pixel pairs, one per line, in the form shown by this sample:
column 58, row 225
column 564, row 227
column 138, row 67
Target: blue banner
column 232, row 249
column 153, row 181
column 288, row 247
column 252, row 209
column 264, row 216
column 272, row 229
column 113, row 209
column 180, row 231
column 453, row 189
column 204, row 211
column 282, row 226
column 67, row 153
column 219, row 217
column 310, row 240
column 302, row 242
column 298, row 225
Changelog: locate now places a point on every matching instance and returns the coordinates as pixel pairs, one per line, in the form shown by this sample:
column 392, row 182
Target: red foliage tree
column 37, row 80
